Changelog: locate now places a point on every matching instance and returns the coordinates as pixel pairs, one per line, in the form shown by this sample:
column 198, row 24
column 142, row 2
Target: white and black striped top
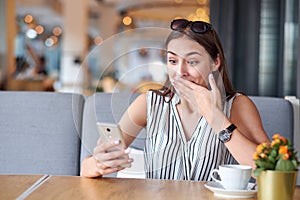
column 168, row 155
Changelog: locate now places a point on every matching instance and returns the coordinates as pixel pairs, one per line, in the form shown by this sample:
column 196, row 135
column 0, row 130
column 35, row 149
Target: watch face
column 224, row 136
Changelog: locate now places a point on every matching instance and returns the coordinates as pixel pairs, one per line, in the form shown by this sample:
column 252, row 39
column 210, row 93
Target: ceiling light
column 57, row 31
column 49, row 42
column 127, row 20
column 39, row 29
column 28, row 19
column 31, row 34
column 54, row 38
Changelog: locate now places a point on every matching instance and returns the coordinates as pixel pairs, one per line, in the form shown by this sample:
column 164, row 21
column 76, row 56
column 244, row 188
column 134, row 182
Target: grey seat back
column 277, row 115
column 40, row 133
column 105, row 107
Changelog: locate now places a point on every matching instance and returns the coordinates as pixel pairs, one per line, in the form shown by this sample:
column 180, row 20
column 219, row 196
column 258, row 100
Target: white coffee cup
column 233, row 177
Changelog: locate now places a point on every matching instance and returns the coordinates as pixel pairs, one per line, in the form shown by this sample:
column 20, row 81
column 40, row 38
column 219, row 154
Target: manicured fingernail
column 117, row 142
column 130, row 160
column 127, row 151
column 211, row 76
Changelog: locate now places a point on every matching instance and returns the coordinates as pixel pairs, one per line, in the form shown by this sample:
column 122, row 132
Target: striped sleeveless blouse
column 168, row 155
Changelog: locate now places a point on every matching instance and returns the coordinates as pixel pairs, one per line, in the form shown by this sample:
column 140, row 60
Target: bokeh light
column 30, row 33
column 127, row 20
column 57, row 31
column 39, row 29
column 98, row 40
column 28, row 19
column 49, row 42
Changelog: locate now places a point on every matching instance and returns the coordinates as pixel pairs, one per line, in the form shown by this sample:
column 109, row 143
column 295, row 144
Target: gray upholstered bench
column 50, row 133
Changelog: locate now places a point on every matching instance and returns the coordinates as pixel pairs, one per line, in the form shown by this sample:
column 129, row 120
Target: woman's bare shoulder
column 246, row 115
column 243, row 101
column 244, row 108
column 140, row 100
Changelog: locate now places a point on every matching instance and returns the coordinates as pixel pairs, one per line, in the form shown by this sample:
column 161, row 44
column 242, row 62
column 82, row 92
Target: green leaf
column 265, row 164
column 257, row 171
column 272, row 159
column 285, row 165
column 273, row 153
column 295, row 163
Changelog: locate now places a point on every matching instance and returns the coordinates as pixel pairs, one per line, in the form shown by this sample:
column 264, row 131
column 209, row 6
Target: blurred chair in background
column 40, row 133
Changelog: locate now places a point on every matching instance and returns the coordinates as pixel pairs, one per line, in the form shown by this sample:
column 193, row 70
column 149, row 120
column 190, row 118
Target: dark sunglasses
column 197, row 26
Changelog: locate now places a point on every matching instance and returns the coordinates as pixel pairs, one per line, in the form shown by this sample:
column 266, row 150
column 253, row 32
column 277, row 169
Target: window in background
column 290, row 47
column 269, row 46
column 278, row 47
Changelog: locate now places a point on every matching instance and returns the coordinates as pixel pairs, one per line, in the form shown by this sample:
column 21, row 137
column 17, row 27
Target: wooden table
column 75, row 187
column 12, row 186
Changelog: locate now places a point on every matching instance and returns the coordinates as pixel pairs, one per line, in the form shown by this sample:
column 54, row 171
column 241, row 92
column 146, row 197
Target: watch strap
column 231, row 128
column 225, row 135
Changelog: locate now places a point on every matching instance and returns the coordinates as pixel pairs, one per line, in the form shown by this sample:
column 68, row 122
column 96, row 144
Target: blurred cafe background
column 96, row 45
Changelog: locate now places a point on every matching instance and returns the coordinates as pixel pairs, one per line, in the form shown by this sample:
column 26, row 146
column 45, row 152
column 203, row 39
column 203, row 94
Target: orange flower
column 259, row 148
column 268, row 155
column 283, row 149
column 255, row 156
column 276, row 136
column 263, row 155
column 283, row 139
column 286, row 156
column 273, row 143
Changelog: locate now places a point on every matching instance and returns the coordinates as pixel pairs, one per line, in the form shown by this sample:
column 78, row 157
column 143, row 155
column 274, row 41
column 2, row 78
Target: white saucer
column 219, row 191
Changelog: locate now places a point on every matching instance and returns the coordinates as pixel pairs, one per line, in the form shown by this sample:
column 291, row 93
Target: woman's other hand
column 208, row 103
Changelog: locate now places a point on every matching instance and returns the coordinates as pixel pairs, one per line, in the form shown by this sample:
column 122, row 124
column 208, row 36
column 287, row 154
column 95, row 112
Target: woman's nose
column 182, row 69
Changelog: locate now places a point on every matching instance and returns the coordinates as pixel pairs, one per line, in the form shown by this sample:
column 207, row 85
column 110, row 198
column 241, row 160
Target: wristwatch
column 225, row 135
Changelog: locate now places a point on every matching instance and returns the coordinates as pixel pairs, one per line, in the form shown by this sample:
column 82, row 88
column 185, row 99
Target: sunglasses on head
column 197, row 26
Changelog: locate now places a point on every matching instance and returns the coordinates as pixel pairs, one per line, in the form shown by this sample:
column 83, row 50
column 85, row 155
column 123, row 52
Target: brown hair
column 212, row 44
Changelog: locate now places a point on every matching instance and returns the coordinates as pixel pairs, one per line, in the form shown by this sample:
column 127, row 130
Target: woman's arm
column 103, row 162
column 134, row 119
column 245, row 114
column 249, row 132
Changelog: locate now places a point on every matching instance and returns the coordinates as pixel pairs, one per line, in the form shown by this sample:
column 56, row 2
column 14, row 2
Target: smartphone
column 111, row 132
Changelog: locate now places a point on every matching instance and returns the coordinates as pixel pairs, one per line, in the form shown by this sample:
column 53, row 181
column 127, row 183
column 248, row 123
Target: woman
column 191, row 128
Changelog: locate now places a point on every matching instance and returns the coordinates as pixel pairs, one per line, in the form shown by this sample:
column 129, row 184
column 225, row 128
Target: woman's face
column 189, row 60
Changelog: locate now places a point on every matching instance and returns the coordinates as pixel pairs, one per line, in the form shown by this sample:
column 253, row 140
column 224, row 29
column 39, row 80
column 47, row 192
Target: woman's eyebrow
column 172, row 53
column 192, row 53
column 188, row 54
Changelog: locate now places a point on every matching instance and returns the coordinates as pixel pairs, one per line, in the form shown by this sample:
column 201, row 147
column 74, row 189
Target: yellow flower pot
column 276, row 185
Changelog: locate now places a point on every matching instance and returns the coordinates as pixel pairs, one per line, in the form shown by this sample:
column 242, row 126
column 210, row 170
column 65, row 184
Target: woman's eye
column 192, row 62
column 172, row 61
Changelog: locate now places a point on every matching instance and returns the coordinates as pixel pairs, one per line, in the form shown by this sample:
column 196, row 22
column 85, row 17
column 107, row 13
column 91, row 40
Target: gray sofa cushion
column 277, row 115
column 40, row 133
column 105, row 107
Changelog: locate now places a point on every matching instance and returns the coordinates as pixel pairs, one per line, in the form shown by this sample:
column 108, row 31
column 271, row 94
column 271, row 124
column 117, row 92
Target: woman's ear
column 217, row 63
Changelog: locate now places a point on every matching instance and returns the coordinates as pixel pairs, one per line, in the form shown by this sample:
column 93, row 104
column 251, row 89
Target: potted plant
column 276, row 169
